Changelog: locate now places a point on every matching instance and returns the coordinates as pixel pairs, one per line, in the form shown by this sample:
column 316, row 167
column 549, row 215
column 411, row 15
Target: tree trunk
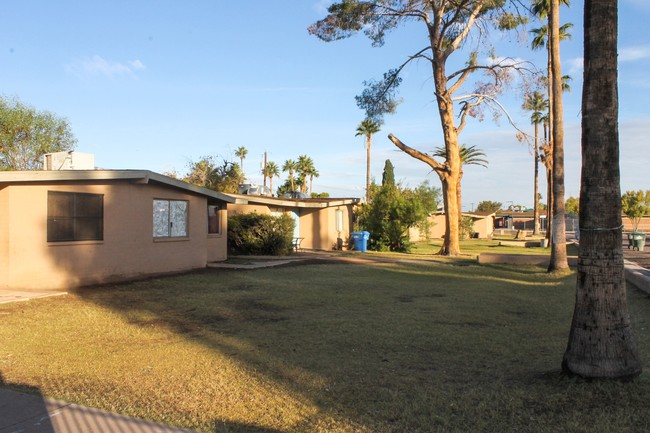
column 368, row 138
column 449, row 177
column 601, row 343
column 536, row 184
column 549, row 205
column 558, row 243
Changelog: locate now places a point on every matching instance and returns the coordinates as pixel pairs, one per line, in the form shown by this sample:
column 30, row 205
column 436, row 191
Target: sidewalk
column 16, row 295
column 27, row 413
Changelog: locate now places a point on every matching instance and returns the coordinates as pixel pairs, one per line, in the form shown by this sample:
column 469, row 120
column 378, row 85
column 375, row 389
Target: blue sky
column 155, row 84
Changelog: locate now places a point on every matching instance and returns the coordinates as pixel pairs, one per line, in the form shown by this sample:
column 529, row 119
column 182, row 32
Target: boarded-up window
column 73, row 216
column 170, row 218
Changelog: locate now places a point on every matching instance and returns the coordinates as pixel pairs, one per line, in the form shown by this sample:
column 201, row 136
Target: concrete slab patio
column 16, row 295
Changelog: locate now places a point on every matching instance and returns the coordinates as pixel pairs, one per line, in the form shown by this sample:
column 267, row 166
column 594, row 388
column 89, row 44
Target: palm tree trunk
column 536, row 184
column 558, row 260
column 601, row 343
column 368, row 142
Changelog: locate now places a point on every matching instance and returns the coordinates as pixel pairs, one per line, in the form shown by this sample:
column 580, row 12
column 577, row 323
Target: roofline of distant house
column 288, row 202
column 140, row 176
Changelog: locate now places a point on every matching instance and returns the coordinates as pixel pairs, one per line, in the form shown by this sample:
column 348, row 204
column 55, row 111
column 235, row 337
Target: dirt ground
column 641, row 258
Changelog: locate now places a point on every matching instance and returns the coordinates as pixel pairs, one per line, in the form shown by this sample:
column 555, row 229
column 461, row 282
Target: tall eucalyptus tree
column 449, row 27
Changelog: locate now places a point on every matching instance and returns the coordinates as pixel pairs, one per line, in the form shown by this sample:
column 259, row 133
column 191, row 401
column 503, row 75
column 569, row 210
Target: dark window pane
column 60, row 204
column 74, row 216
column 214, row 226
column 60, row 229
column 89, row 229
column 89, row 205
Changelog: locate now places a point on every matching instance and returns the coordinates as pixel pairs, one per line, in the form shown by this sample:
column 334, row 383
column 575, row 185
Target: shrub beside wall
column 260, row 234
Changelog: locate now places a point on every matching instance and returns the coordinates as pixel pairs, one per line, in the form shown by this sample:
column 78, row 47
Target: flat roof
column 139, row 176
column 293, row 202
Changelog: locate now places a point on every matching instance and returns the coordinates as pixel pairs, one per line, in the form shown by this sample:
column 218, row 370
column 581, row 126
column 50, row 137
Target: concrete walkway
column 27, row 413
column 16, row 295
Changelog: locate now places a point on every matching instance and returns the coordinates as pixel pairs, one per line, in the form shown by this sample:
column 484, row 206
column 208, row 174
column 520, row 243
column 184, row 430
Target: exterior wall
column 316, row 225
column 644, row 224
column 217, row 244
column 483, row 226
column 436, row 229
column 235, row 209
column 4, row 233
column 128, row 250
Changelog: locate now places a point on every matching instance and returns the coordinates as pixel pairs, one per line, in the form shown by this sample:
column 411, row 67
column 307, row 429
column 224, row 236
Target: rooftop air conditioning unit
column 68, row 161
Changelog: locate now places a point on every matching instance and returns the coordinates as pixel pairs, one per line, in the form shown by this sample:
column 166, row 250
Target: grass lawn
column 473, row 247
column 325, row 347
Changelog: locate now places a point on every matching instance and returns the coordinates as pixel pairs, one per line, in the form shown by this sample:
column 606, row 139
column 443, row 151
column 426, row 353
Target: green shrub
column 260, row 234
column 466, row 227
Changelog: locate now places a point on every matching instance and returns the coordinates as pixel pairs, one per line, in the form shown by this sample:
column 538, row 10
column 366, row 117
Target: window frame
column 218, row 216
column 84, row 223
column 169, row 232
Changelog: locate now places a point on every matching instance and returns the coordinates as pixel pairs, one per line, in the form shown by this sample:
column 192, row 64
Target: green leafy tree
column 466, row 227
column 572, row 206
column 368, row 128
column 489, row 206
column 27, row 134
column 448, row 27
column 394, row 209
column 636, row 205
column 206, row 172
column 260, row 234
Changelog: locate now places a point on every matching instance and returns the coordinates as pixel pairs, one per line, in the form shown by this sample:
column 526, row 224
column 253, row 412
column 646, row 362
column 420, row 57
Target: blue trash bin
column 360, row 240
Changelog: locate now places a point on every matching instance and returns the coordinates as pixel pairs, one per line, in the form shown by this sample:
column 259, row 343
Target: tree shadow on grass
column 367, row 346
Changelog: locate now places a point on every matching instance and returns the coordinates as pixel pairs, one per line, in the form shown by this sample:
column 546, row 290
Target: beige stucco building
column 483, row 226
column 320, row 222
column 64, row 229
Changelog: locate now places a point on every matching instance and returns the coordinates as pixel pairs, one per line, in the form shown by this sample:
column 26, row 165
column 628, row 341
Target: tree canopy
column 26, row 134
column 449, row 26
column 207, row 172
column 489, row 206
column 393, row 209
column 636, row 205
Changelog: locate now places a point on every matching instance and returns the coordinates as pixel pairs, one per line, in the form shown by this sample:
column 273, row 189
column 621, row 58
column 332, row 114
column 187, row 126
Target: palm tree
column 368, row 128
column 271, row 170
column 601, row 344
column 536, row 103
column 468, row 156
column 305, row 165
column 241, row 153
column 551, row 9
column 312, row 173
column 290, row 166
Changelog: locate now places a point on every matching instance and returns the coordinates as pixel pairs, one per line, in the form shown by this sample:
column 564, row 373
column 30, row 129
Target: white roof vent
column 68, row 161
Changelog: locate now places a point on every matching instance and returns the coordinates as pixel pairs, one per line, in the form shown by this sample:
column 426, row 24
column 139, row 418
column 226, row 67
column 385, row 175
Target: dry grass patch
column 384, row 347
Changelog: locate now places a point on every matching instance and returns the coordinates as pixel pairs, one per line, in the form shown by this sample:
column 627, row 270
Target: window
column 169, row 218
column 214, row 222
column 73, row 216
